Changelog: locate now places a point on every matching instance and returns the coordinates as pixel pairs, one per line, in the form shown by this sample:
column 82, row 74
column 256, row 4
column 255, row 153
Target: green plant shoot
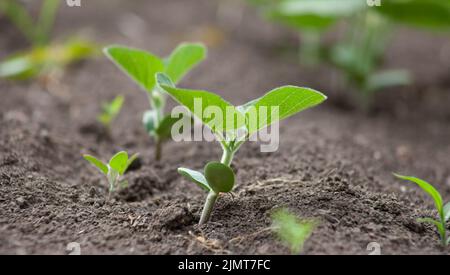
column 291, row 230
column 114, row 169
column 443, row 210
column 110, row 110
column 43, row 56
column 142, row 67
column 248, row 118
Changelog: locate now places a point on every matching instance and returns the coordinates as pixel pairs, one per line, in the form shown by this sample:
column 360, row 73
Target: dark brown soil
column 332, row 164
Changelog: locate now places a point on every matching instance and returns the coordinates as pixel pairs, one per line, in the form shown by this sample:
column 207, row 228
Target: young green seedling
column 291, row 230
column 114, row 169
column 110, row 110
column 443, row 210
column 142, row 67
column 359, row 52
column 43, row 57
column 247, row 119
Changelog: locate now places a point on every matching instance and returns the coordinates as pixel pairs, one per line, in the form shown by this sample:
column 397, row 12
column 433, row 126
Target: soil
column 333, row 164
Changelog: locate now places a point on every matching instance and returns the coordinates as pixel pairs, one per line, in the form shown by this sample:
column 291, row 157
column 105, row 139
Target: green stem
column 227, row 156
column 209, row 205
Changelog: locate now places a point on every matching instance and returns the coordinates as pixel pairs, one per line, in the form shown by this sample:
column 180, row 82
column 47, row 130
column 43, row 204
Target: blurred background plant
column 358, row 53
column 44, row 56
column 291, row 230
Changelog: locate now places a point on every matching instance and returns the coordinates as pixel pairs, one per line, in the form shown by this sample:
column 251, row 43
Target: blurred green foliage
column 359, row 52
column 43, row 55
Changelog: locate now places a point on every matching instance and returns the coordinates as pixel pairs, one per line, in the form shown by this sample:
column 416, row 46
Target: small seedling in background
column 110, row 110
column 291, row 230
column 443, row 210
column 43, row 57
column 219, row 178
column 359, row 52
column 142, row 67
column 114, row 169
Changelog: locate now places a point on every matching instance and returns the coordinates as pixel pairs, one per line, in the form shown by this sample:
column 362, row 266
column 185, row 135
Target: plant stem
column 227, row 156
column 209, row 205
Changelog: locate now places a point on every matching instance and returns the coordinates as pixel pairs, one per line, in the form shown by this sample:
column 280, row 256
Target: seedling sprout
column 443, row 210
column 142, row 67
column 110, row 110
column 291, row 230
column 218, row 176
column 114, row 169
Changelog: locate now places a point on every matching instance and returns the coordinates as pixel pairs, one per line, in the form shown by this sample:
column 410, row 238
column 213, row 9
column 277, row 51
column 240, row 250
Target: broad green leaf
column 195, row 177
column 288, row 99
column 131, row 160
column 139, row 65
column 433, row 14
column 15, row 66
column 447, row 212
column 313, row 14
column 119, row 162
column 388, row 79
column 97, row 163
column 291, row 230
column 164, row 129
column 183, row 59
column 223, row 116
column 149, row 120
column 428, row 188
column 219, row 177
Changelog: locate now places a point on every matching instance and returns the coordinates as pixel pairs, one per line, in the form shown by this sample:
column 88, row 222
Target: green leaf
column 204, row 100
column 119, row 162
column 183, row 59
column 434, row 14
column 289, row 100
column 131, row 160
column 291, row 230
column 428, row 188
column 446, row 210
column 139, row 65
column 97, row 163
column 313, row 14
column 195, row 177
column 164, row 130
column 111, row 110
column 16, row 66
column 219, row 177
column 388, row 79
column 19, row 16
column 46, row 20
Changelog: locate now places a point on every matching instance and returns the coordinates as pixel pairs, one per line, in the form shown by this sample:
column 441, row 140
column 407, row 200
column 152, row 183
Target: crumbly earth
column 334, row 163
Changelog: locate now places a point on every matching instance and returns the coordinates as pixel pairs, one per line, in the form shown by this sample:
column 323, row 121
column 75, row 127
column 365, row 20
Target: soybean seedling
column 43, row 56
column 291, row 230
column 142, row 67
column 358, row 53
column 233, row 126
column 443, row 210
column 110, row 110
column 114, row 169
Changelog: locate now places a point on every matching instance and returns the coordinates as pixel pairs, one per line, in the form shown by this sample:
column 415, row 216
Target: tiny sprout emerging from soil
column 235, row 127
column 142, row 67
column 291, row 230
column 110, row 110
column 443, row 210
column 114, row 169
